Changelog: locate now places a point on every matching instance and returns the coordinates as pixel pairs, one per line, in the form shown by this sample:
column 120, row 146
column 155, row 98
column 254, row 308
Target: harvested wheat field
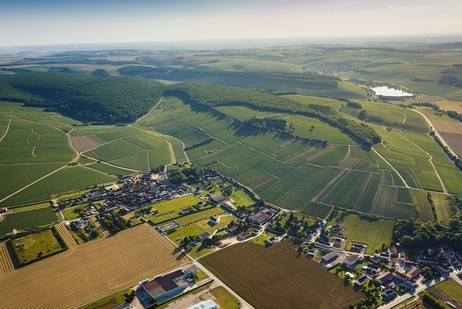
column 90, row 271
column 277, row 277
column 6, row 265
column 451, row 132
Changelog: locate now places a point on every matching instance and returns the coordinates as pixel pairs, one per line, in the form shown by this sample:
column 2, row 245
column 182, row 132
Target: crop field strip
column 98, row 268
column 6, row 265
column 65, row 236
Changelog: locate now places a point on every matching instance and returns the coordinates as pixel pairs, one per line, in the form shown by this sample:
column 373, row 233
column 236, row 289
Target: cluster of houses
column 132, row 192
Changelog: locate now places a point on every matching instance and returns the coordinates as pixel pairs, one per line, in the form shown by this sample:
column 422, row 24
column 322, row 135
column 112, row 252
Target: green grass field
column 425, row 210
column 372, row 231
column 35, row 246
column 451, row 288
column 224, row 299
column 442, row 210
column 167, row 210
column 241, row 198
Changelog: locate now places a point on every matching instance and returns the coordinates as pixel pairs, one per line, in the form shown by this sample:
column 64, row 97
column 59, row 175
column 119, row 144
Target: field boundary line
column 330, row 183
column 110, row 164
column 6, row 131
column 8, row 126
column 364, row 189
column 392, row 167
column 430, row 159
column 169, row 144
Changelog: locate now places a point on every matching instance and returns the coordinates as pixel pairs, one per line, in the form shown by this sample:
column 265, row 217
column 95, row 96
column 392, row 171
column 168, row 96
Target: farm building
column 361, row 280
column 329, row 258
column 218, row 199
column 385, row 278
column 351, row 260
column 213, row 221
column 164, row 287
column 206, row 304
column 261, row 216
column 204, row 236
column 413, row 274
column 228, row 206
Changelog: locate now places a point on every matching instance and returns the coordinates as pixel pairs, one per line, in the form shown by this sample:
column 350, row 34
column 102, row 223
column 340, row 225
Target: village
column 389, row 273
column 209, row 212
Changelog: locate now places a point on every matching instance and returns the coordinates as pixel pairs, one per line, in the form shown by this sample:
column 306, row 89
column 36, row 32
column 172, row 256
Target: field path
column 6, row 131
column 65, row 235
column 437, row 134
column 8, row 126
column 392, row 167
column 6, row 265
column 328, row 185
column 430, row 159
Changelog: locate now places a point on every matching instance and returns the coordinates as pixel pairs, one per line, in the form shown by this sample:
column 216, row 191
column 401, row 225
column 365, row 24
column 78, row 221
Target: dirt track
column 90, row 271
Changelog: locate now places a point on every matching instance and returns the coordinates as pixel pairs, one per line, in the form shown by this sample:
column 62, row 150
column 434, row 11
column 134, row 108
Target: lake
column 390, row 92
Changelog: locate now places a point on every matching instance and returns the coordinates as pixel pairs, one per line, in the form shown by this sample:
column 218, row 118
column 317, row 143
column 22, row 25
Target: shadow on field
column 13, row 258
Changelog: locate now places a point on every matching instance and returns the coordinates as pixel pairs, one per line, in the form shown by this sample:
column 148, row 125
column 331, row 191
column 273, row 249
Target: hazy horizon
column 88, row 22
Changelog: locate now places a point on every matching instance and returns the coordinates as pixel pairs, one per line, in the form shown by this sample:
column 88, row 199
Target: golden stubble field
column 90, row 271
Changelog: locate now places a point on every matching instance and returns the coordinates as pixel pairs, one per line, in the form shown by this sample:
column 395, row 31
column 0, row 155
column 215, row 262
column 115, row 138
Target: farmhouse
column 228, row 206
column 361, row 280
column 204, row 236
column 351, row 260
column 329, row 258
column 261, row 216
column 164, row 287
column 213, row 221
column 385, row 278
column 185, row 211
column 413, row 274
column 218, row 199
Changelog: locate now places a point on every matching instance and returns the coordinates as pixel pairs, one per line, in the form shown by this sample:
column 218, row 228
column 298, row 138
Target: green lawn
column 35, row 246
column 241, row 198
column 224, row 299
column 451, row 288
column 442, row 210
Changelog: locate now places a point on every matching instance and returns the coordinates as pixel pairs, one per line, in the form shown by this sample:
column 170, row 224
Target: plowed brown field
column 90, row 271
column 6, row 266
column 277, row 278
column 451, row 132
column 84, row 143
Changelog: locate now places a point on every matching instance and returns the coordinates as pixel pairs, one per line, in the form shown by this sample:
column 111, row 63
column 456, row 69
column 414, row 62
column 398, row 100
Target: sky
column 42, row 22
